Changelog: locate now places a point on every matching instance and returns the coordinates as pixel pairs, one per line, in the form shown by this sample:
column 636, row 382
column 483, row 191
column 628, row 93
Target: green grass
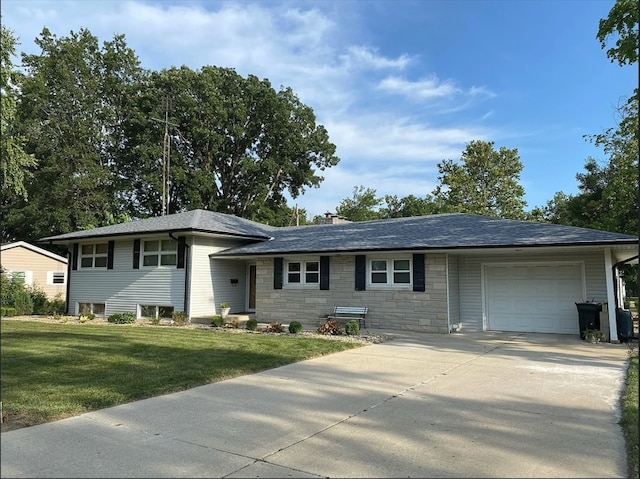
column 629, row 421
column 52, row 371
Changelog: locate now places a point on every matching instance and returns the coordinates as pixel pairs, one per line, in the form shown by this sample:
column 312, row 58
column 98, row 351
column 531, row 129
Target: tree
column 16, row 163
column 364, row 205
column 236, row 145
column 411, row 206
column 485, row 182
column 623, row 22
column 70, row 113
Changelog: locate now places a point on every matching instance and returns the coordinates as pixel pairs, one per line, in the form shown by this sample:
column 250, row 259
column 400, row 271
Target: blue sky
column 400, row 85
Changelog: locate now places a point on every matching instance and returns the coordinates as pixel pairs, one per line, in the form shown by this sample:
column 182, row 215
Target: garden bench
column 350, row 312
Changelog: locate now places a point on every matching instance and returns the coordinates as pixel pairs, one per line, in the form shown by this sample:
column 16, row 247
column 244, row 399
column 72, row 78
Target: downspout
column 185, row 304
column 68, row 286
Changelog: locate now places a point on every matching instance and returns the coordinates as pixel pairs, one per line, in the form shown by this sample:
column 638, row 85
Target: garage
column 538, row 298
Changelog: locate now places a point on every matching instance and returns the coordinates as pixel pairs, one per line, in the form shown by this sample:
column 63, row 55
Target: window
column 96, row 308
column 303, row 272
column 154, row 311
column 55, row 277
column 390, row 272
column 22, row 277
column 94, row 255
column 160, row 253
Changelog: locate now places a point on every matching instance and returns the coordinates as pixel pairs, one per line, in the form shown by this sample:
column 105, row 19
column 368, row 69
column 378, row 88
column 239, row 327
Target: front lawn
column 51, row 371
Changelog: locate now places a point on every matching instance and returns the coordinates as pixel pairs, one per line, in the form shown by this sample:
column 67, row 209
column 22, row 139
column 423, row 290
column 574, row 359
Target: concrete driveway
column 420, row 405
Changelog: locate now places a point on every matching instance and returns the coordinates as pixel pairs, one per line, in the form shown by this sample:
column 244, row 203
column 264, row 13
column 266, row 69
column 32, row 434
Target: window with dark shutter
column 181, row 249
column 324, row 272
column 110, row 249
column 136, row 254
column 361, row 272
column 418, row 272
column 74, row 257
column 277, row 273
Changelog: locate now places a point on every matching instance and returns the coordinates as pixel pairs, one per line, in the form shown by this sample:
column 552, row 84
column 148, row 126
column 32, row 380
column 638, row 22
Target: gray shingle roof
column 195, row 220
column 446, row 231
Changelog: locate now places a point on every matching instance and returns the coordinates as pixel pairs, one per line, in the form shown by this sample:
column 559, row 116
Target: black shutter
column 136, row 254
column 110, row 247
column 74, row 258
column 361, row 272
column 181, row 248
column 277, row 273
column 418, row 272
column 324, row 272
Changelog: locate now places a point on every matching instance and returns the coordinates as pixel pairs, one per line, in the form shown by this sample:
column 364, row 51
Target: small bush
column 8, row 311
column 252, row 324
column 56, row 306
column 295, row 327
column 22, row 301
column 217, row 321
column 352, row 328
column 330, row 327
column 180, row 318
column 122, row 318
column 275, row 327
column 38, row 299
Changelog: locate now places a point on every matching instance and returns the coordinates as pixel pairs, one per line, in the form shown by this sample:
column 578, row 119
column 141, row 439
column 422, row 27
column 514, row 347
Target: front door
column 252, row 288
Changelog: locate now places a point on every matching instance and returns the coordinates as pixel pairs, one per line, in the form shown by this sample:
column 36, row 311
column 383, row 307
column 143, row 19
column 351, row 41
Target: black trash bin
column 624, row 323
column 588, row 316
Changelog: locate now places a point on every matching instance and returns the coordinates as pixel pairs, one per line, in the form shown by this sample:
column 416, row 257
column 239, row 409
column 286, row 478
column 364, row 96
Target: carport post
column 611, row 299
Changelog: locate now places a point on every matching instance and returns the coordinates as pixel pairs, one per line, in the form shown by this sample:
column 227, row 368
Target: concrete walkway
column 420, row 405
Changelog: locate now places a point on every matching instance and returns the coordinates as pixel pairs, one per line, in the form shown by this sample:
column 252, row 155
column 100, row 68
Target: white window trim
column 157, row 307
column 94, row 255
column 303, row 273
column 28, row 275
column 51, row 275
column 92, row 303
column 158, row 254
column 390, row 283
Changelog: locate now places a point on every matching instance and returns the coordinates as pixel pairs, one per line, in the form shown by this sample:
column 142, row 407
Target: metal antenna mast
column 166, row 153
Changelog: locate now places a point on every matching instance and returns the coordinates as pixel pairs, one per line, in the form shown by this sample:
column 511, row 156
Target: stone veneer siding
column 388, row 309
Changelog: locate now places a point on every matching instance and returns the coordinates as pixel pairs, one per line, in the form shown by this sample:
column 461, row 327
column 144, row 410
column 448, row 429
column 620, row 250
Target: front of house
column 415, row 274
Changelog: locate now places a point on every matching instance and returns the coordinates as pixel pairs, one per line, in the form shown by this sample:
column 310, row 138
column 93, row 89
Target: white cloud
column 427, row 88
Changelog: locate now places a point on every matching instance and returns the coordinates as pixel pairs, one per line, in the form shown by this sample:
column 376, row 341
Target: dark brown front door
column 252, row 286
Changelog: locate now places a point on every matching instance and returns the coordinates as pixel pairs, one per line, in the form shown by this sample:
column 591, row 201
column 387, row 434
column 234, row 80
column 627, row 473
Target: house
column 35, row 266
column 417, row 274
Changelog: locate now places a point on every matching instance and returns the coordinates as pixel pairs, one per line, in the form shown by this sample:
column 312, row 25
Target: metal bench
column 350, row 312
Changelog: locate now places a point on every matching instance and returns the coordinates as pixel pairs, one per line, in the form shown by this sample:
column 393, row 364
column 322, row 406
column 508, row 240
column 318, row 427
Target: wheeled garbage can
column 588, row 316
column 624, row 323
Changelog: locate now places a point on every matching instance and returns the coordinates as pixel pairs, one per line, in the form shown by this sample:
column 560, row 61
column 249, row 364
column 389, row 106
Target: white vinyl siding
column 211, row 278
column 123, row 288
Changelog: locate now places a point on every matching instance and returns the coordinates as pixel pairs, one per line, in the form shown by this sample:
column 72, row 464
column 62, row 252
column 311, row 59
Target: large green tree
column 71, row 114
column 621, row 23
column 17, row 165
column 363, row 205
column 485, row 181
column 237, row 145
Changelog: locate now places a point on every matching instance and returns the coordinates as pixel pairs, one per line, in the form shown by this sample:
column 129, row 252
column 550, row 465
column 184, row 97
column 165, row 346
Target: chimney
column 334, row 219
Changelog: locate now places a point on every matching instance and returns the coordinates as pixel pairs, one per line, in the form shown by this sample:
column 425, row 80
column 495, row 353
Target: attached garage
column 537, row 298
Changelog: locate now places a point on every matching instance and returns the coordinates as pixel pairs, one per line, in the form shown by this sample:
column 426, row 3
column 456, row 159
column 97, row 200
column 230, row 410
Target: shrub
column 330, row 327
column 274, row 327
column 352, row 328
column 57, row 305
column 180, row 318
column 8, row 311
column 295, row 327
column 252, row 324
column 38, row 299
column 22, row 301
column 122, row 318
column 217, row 321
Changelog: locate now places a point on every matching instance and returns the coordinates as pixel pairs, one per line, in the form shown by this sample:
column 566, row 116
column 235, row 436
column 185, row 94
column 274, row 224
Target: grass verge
column 52, row 371
column 629, row 421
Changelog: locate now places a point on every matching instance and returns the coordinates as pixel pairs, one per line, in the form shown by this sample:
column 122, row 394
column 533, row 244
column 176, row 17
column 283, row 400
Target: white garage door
column 533, row 298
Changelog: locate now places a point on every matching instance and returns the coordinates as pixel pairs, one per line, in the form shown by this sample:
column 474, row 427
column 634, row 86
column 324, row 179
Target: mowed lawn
column 51, row 371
